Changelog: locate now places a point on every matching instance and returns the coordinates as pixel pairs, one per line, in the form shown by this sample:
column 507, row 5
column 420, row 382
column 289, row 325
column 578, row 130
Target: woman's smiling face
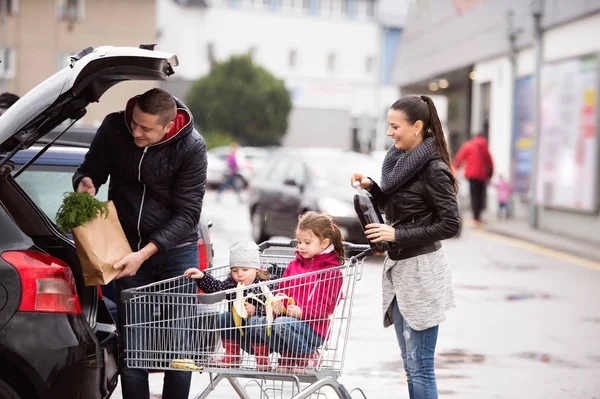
column 405, row 136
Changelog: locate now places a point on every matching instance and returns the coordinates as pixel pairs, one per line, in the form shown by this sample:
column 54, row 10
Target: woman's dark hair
column 422, row 108
column 323, row 227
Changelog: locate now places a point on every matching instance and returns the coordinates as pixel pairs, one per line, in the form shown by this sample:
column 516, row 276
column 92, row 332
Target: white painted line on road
column 575, row 260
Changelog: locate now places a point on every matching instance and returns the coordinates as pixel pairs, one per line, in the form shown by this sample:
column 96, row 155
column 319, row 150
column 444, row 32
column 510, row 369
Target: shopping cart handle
column 282, row 244
column 355, row 247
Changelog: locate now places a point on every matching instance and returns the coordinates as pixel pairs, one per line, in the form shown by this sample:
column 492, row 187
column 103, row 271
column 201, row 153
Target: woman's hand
column 193, row 273
column 250, row 308
column 376, row 232
column 364, row 181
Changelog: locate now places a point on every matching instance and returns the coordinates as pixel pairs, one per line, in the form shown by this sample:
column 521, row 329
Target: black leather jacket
column 157, row 190
column 423, row 211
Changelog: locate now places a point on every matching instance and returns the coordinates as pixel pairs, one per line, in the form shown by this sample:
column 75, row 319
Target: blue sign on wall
column 523, row 135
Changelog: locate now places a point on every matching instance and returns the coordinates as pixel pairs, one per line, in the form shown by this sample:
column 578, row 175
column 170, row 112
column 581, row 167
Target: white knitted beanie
column 244, row 254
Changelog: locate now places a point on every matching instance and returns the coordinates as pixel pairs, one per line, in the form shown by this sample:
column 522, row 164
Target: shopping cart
column 172, row 325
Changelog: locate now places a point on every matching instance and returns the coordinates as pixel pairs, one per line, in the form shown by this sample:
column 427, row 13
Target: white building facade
column 333, row 55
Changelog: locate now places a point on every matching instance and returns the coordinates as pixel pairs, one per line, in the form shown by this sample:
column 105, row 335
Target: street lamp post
column 537, row 8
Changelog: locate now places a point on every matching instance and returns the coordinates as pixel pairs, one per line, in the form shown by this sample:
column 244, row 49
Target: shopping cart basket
column 172, row 325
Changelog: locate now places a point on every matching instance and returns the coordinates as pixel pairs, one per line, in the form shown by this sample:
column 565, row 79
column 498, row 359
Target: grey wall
column 437, row 39
column 309, row 127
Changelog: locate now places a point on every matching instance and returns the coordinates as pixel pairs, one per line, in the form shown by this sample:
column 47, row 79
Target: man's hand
column 129, row 265
column 86, row 185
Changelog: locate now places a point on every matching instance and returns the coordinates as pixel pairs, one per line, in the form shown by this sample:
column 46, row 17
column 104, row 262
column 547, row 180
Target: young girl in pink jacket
column 299, row 329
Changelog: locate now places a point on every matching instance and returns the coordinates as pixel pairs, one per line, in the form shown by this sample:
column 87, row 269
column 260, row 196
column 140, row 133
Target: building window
column 70, row 9
column 331, row 62
column 7, row 63
column 370, row 8
column 210, row 53
column 12, row 7
column 370, row 62
column 311, row 7
column 292, row 59
column 350, row 8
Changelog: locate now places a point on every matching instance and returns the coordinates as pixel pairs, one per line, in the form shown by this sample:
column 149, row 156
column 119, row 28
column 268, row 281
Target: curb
column 565, row 248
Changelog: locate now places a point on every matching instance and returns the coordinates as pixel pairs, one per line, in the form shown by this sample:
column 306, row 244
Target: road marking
column 575, row 260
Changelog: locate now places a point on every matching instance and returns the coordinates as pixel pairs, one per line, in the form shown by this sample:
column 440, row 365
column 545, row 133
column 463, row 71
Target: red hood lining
column 182, row 119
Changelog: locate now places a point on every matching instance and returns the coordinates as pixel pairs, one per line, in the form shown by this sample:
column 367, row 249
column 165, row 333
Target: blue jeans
column 418, row 349
column 230, row 181
column 288, row 335
column 161, row 266
column 228, row 330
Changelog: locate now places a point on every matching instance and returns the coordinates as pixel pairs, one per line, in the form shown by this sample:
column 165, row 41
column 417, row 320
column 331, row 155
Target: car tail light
column 202, row 254
column 47, row 284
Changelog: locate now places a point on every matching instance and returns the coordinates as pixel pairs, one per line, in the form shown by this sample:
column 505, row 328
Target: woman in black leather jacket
column 418, row 194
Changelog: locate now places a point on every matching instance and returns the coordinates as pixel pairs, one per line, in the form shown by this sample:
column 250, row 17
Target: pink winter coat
column 318, row 294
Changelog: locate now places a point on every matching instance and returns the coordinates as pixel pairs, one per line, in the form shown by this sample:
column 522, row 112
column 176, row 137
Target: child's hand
column 278, row 307
column 193, row 273
column 250, row 308
column 294, row 311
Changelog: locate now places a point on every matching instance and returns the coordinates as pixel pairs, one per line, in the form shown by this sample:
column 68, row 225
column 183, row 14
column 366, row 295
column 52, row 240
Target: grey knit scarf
column 399, row 166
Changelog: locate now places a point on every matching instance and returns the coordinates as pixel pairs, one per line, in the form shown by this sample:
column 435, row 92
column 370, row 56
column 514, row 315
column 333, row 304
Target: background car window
column 296, row 172
column 278, row 171
column 47, row 185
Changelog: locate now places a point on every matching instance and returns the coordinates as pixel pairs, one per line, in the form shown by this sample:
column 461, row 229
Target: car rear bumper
column 57, row 356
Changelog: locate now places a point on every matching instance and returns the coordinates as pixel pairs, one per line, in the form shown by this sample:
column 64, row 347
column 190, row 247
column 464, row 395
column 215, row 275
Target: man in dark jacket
column 157, row 167
column 479, row 168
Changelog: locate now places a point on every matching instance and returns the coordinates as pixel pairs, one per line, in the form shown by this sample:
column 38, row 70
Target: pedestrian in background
column 418, row 195
column 479, row 168
column 233, row 173
column 503, row 192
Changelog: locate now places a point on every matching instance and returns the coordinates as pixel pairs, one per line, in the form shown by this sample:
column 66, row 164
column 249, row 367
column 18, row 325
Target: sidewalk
column 520, row 229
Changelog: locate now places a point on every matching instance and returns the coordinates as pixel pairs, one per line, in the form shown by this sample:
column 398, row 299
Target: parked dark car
column 298, row 180
column 57, row 338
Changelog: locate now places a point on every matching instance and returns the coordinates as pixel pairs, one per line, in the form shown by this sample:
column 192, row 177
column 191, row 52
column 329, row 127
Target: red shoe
column 286, row 362
column 261, row 353
column 232, row 353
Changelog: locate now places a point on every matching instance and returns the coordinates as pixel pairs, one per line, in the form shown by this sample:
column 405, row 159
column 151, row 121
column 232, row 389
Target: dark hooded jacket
column 157, row 190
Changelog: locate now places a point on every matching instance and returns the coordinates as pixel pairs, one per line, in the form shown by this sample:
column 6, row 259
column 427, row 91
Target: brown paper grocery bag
column 100, row 244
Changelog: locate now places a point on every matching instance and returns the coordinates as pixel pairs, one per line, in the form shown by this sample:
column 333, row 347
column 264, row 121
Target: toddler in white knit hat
column 245, row 268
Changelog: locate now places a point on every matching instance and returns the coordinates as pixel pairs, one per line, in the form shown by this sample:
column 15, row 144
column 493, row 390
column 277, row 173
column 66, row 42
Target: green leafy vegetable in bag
column 78, row 209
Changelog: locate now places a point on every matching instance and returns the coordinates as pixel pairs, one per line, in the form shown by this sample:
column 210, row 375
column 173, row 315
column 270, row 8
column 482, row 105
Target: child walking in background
column 299, row 329
column 245, row 268
column 503, row 192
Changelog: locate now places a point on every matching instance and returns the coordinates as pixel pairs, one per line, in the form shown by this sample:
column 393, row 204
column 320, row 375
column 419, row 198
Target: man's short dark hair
column 158, row 102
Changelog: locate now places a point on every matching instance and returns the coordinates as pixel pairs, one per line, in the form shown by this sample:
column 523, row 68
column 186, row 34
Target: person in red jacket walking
column 479, row 168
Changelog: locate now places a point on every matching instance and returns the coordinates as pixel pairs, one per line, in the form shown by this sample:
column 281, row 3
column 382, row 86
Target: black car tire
column 258, row 227
column 6, row 391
